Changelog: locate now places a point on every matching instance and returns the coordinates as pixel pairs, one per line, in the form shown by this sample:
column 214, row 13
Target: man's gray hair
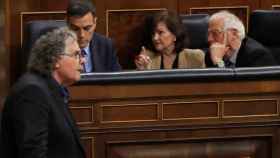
column 231, row 21
column 47, row 50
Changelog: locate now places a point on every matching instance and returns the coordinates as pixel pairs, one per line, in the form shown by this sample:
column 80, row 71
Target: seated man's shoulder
column 100, row 37
column 251, row 43
column 257, row 54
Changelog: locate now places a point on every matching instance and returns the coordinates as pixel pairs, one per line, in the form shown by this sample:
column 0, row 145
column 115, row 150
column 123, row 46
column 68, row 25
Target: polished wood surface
column 193, row 149
column 4, row 55
column 232, row 118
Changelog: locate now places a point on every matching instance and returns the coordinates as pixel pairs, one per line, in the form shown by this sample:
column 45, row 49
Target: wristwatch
column 221, row 64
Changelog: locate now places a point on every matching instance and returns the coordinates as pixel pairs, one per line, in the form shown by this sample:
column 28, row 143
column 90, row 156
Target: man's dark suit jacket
column 37, row 123
column 104, row 56
column 251, row 54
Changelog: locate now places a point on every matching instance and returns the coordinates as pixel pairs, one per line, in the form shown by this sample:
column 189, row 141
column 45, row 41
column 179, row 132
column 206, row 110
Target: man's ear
column 95, row 19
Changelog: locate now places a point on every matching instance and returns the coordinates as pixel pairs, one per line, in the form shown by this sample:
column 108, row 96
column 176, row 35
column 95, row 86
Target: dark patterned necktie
column 84, row 64
column 65, row 94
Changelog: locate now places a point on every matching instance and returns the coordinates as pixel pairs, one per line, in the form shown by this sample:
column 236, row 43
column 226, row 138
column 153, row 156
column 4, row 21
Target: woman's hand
column 143, row 61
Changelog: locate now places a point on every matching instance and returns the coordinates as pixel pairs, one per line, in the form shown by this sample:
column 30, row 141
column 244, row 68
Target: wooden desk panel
column 198, row 116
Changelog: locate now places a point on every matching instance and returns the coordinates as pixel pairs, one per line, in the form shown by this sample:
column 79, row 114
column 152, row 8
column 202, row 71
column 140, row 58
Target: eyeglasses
column 76, row 55
column 215, row 32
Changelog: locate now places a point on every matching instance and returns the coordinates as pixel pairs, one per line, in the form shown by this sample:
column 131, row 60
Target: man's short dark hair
column 80, row 8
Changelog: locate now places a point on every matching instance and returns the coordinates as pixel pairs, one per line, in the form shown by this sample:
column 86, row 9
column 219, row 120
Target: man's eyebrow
column 87, row 26
column 72, row 25
column 75, row 26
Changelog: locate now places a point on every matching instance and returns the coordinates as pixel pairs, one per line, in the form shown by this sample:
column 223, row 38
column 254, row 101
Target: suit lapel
column 94, row 54
column 239, row 59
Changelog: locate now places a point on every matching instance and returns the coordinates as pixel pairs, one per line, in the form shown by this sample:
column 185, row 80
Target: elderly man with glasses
column 229, row 46
column 36, row 120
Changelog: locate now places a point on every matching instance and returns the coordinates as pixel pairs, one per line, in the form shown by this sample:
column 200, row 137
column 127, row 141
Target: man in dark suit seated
column 229, row 46
column 36, row 121
column 99, row 51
